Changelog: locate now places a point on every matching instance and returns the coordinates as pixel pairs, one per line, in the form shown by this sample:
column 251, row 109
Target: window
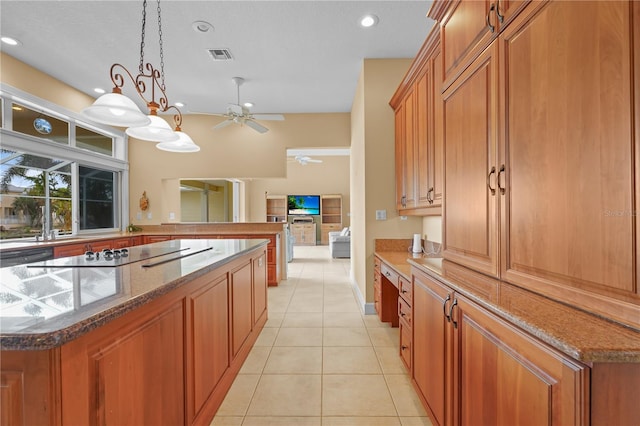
column 55, row 174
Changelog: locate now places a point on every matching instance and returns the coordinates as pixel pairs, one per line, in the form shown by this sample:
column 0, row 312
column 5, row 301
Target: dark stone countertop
column 45, row 307
column 581, row 335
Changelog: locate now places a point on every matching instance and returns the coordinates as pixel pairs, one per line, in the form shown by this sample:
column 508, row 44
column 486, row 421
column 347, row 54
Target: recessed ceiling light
column 248, row 104
column 10, row 41
column 179, row 104
column 99, row 90
column 368, row 21
column 202, row 27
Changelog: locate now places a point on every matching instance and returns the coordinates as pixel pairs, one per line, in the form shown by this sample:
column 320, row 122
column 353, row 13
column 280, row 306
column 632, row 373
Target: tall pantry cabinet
column 541, row 181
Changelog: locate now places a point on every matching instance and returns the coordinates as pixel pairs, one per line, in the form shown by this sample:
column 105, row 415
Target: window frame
column 117, row 162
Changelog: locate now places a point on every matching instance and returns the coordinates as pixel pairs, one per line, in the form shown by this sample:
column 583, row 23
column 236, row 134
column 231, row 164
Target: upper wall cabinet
column 541, row 146
column 418, row 133
column 469, row 27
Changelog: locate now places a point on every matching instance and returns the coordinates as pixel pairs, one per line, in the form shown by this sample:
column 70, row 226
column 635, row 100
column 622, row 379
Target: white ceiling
column 296, row 56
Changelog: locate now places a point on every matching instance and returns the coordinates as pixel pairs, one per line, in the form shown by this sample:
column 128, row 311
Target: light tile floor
column 319, row 361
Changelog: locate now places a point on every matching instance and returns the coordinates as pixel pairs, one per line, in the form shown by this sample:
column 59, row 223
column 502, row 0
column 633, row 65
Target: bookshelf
column 330, row 216
column 276, row 208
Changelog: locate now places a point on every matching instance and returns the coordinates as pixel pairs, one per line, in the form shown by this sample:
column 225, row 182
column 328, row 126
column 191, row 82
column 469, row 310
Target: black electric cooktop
column 111, row 258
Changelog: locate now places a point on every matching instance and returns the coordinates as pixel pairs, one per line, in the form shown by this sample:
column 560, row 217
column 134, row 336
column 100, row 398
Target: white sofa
column 340, row 243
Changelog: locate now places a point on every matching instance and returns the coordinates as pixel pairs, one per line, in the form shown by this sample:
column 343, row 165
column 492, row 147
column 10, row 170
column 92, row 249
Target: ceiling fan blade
column 256, row 126
column 312, row 160
column 268, row 117
column 207, row 113
column 222, row 124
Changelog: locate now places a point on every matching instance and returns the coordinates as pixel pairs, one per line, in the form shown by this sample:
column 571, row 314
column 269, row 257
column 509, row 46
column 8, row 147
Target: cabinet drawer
column 405, row 346
column 405, row 290
column 376, row 264
column 389, row 274
column 404, row 312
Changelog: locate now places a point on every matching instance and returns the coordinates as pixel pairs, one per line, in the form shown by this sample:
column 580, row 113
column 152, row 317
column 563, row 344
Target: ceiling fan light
column 115, row 109
column 183, row 144
column 157, row 131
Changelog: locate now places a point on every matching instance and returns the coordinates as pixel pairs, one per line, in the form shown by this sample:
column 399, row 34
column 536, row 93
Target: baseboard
column 366, row 308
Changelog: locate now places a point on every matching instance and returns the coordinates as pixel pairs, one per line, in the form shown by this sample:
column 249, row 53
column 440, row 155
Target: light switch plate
column 381, row 215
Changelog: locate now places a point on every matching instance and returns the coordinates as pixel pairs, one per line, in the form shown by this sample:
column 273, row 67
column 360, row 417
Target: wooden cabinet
column 418, row 134
column 148, row 239
column 276, row 208
column 330, row 216
column 259, row 266
column 304, row 233
column 569, row 134
column 166, row 362
column 210, row 344
column 405, row 300
column 111, row 376
column 469, row 27
column 543, row 121
column 241, row 311
column 471, row 367
column 430, row 330
column 470, row 228
column 503, row 376
column 386, row 284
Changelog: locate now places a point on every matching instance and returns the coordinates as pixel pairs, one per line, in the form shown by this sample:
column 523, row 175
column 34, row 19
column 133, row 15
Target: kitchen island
column 155, row 341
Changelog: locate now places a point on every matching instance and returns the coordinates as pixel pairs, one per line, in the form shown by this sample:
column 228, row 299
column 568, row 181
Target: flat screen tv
column 303, row 205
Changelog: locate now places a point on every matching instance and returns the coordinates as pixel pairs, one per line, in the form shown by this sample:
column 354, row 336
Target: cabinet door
column 436, row 153
column 210, row 343
column 423, row 136
column 399, row 160
column 259, row 287
column 466, row 31
column 470, row 151
column 430, row 330
column 70, row 250
column 469, row 27
column 241, row 311
column 570, row 214
column 505, row 377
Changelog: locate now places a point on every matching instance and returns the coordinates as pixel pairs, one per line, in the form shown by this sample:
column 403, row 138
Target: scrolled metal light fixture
column 115, row 109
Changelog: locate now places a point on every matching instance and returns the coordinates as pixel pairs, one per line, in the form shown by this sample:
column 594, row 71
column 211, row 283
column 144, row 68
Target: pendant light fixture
column 115, row 109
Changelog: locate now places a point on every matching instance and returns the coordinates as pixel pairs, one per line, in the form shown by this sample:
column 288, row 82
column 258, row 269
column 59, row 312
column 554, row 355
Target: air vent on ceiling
column 220, row 54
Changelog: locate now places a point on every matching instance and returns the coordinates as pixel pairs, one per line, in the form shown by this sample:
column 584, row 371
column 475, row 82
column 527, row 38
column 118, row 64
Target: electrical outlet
column 139, row 216
column 403, row 218
column 149, row 216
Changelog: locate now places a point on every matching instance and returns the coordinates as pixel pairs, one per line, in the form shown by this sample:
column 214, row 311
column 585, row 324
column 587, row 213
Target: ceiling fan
column 305, row 159
column 240, row 114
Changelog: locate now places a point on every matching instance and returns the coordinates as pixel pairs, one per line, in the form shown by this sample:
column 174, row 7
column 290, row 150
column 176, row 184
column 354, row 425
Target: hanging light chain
column 161, row 52
column 144, row 24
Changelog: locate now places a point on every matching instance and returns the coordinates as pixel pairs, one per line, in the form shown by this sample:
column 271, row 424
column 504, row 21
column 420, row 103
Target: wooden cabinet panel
column 506, row 377
column 430, row 329
column 28, row 386
column 325, row 229
column 304, row 233
column 114, row 378
column 469, row 27
column 241, row 311
column 466, row 31
column 406, row 350
column 70, row 250
column 259, row 287
column 436, row 149
column 399, row 157
column 148, row 239
column 470, row 145
column 119, row 243
column 569, row 134
column 210, row 343
column 423, row 129
column 409, row 171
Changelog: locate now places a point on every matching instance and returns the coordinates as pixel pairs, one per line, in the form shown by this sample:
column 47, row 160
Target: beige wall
column 373, row 169
column 231, row 152
column 329, row 177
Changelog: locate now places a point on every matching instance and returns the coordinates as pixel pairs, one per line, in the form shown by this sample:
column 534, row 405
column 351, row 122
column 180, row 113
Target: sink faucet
column 45, row 224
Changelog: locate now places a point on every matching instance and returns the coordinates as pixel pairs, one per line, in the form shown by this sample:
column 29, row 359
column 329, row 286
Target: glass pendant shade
column 158, row 131
column 115, row 109
column 183, row 144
